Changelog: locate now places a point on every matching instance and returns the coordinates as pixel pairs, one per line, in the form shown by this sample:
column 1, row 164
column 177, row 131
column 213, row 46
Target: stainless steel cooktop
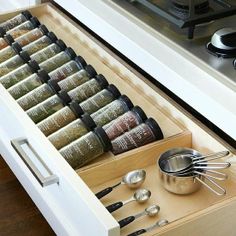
column 197, row 45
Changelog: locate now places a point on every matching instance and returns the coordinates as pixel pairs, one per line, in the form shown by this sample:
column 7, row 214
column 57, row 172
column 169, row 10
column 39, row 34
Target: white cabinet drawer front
column 65, row 204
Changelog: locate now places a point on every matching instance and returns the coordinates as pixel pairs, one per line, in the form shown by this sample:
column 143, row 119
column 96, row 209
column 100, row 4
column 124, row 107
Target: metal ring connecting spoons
column 132, row 179
column 159, row 223
column 140, row 196
column 149, row 211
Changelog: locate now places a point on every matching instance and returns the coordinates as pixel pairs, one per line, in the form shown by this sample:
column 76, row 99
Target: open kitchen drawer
column 64, row 196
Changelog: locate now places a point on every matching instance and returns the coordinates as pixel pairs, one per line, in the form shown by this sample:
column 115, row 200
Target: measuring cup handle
column 138, row 232
column 103, row 192
column 223, row 177
column 126, row 221
column 114, row 206
column 220, row 192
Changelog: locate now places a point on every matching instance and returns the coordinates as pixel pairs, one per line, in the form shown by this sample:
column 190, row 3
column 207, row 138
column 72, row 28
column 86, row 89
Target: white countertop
column 193, row 81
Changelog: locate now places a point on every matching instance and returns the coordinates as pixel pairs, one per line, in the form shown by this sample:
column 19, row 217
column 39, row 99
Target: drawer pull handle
column 44, row 181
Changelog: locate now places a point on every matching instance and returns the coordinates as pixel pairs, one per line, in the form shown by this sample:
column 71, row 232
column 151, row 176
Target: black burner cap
column 234, row 63
column 100, row 132
column 70, row 52
column 114, row 90
column 26, row 14
column 54, row 85
column 61, row 44
column 220, row 52
column 91, row 71
column 8, row 38
column 155, row 128
column 35, row 22
column 88, row 121
column 44, row 29
column 25, row 56
column 76, row 108
column 102, row 81
column 43, row 76
column 141, row 114
column 2, row 32
column 34, row 66
column 64, row 96
column 80, row 62
column 127, row 101
column 17, row 48
column 52, row 36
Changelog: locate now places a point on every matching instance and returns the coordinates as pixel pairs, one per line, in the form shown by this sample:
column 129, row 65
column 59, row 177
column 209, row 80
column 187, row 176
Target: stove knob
column 235, row 63
column 224, row 39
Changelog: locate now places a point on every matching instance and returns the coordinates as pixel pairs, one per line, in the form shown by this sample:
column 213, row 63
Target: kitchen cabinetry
column 65, row 196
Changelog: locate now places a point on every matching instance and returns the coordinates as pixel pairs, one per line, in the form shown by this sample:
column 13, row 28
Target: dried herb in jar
column 100, row 99
column 48, row 52
column 58, row 120
column 142, row 134
column 88, row 89
column 48, row 107
column 16, row 20
column 3, row 43
column 58, row 60
column 74, row 80
column 28, row 84
column 124, row 123
column 19, row 74
column 7, row 53
column 70, row 132
column 86, row 148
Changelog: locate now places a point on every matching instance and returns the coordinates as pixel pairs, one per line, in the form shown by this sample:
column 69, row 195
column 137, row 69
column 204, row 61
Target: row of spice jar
column 67, row 99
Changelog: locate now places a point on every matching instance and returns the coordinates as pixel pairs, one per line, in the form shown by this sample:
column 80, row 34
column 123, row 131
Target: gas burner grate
column 190, row 15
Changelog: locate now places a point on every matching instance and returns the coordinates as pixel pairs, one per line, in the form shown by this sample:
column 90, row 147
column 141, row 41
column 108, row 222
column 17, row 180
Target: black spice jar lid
column 100, row 132
column 61, row 44
column 155, row 128
column 76, row 108
column 64, row 96
column 35, row 21
column 140, row 112
column 80, row 62
column 114, row 90
column 90, row 71
column 54, row 85
column 44, row 29
column 26, row 14
column 8, row 38
column 88, row 121
column 34, row 66
column 17, row 48
column 102, row 81
column 25, row 56
column 127, row 101
column 70, row 52
column 52, row 36
column 2, row 32
column 43, row 76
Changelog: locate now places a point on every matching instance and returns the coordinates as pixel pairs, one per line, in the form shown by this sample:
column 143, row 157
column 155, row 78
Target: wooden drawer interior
column 108, row 169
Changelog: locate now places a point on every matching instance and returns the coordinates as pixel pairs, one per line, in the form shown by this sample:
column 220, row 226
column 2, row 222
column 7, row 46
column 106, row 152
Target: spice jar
column 13, row 63
column 86, row 148
column 29, row 37
column 112, row 110
column 142, row 134
column 74, row 80
column 88, row 89
column 58, row 60
column 71, row 132
column 59, row 119
column 19, row 74
column 49, row 51
column 16, row 20
column 30, row 83
column 24, row 28
column 48, row 107
column 100, row 99
column 124, row 123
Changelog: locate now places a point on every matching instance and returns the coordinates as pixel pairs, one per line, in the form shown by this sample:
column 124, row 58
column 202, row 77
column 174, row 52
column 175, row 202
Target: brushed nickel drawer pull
column 44, row 181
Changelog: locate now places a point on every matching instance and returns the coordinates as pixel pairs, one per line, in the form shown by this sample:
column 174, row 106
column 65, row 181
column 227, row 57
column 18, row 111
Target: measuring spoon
column 140, row 196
